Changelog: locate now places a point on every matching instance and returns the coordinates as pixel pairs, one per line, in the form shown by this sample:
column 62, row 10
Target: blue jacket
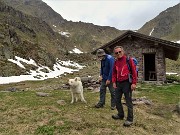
column 106, row 67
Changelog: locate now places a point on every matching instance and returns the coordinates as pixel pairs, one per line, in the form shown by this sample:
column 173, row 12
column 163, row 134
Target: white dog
column 76, row 89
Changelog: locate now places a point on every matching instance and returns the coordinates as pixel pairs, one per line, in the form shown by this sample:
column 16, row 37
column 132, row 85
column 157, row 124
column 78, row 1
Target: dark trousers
column 103, row 93
column 124, row 88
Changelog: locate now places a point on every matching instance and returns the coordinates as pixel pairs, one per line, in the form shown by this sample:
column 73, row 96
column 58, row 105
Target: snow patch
column 178, row 41
column 151, row 32
column 66, row 34
column 76, row 50
column 171, row 73
column 42, row 72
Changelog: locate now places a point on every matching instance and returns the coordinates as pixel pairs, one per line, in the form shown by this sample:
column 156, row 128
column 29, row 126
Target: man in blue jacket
column 107, row 62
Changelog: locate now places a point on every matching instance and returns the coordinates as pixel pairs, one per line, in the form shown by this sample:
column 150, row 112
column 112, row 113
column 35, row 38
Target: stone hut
column 149, row 51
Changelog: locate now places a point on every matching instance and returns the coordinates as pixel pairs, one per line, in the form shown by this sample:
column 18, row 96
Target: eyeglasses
column 117, row 52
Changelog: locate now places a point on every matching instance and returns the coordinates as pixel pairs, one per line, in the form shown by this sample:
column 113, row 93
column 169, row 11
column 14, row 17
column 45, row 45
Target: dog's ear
column 76, row 79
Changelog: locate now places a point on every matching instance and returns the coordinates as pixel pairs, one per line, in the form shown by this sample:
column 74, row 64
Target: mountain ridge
column 164, row 25
column 30, row 32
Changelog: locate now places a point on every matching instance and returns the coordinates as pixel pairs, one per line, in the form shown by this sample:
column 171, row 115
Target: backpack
column 135, row 63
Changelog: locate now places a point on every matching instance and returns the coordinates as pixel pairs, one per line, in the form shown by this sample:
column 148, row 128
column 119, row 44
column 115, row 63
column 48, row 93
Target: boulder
column 42, row 94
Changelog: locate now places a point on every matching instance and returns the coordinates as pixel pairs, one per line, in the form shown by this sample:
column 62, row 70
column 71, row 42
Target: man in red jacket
column 122, row 85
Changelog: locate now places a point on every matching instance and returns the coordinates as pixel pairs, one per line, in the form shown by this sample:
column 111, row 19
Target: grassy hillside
column 173, row 66
column 85, row 36
column 27, row 37
column 25, row 113
column 175, row 35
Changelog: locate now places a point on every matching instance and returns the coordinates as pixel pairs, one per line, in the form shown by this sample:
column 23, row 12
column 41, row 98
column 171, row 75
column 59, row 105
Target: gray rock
column 142, row 100
column 96, row 90
column 90, row 88
column 4, row 91
column 86, row 79
column 42, row 94
column 12, row 89
column 61, row 102
column 65, row 86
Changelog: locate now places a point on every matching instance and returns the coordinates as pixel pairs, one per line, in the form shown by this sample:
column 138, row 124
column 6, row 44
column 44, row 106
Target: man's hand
column 100, row 78
column 133, row 87
column 108, row 82
column 114, row 85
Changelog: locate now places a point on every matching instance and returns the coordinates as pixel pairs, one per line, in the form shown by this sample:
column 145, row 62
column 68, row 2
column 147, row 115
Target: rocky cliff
column 27, row 37
column 166, row 25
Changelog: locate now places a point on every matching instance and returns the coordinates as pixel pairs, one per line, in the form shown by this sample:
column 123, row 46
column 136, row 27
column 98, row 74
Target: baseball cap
column 100, row 52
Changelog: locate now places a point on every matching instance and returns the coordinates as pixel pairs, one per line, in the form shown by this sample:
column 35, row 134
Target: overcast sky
column 121, row 14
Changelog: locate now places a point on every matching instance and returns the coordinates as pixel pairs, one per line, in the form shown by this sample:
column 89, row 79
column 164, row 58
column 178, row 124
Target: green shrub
column 172, row 78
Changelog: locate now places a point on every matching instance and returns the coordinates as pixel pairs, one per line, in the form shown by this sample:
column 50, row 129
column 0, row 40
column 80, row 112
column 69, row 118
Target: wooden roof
column 171, row 49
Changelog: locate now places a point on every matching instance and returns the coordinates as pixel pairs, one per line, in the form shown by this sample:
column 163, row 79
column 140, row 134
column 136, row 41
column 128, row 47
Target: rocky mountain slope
column 165, row 26
column 30, row 29
column 27, row 33
column 27, row 37
column 84, row 36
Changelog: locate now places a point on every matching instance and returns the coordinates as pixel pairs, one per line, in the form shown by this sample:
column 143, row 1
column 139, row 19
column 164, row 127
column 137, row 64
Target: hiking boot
column 113, row 107
column 127, row 123
column 116, row 117
column 99, row 106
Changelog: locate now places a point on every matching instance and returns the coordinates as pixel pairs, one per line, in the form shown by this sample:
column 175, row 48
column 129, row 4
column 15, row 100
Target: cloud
column 129, row 14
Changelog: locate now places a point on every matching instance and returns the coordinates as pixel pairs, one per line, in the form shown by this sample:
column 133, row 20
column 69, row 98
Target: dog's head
column 74, row 82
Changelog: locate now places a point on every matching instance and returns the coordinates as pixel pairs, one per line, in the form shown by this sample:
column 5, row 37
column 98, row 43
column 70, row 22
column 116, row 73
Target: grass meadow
column 24, row 113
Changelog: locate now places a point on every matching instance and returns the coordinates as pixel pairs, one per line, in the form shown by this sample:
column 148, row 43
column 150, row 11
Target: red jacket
column 121, row 71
